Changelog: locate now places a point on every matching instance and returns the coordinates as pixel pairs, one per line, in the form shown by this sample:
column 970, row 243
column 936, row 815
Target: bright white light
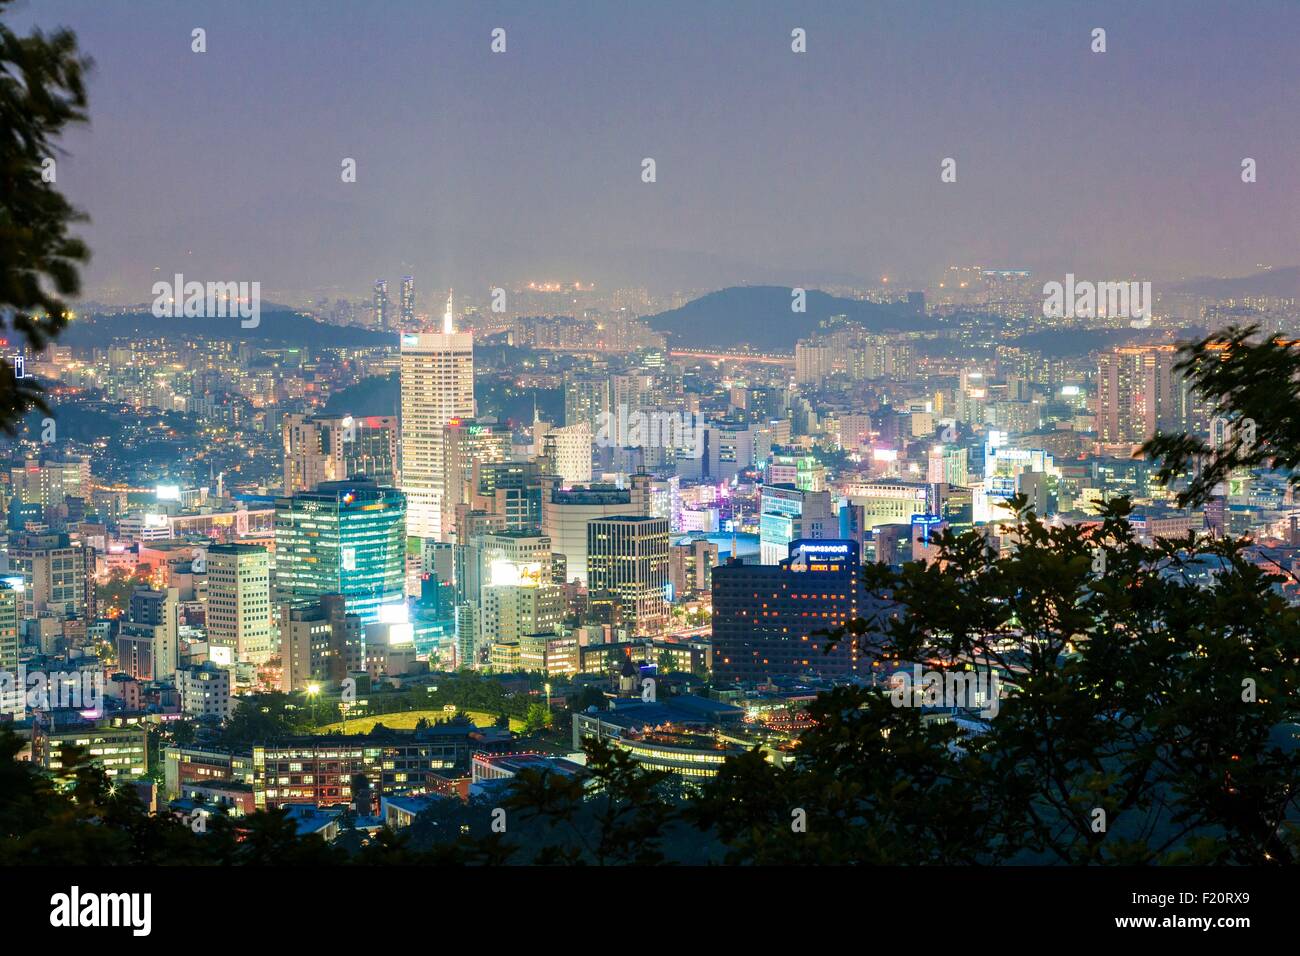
column 394, row 613
column 506, row 573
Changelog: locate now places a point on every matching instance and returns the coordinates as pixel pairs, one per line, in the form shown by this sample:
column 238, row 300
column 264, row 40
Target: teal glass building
column 346, row 537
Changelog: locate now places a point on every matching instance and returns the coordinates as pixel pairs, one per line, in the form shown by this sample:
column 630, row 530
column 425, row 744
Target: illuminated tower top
column 448, row 317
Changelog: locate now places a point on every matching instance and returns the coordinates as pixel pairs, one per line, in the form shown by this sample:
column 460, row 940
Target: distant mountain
column 760, row 316
column 280, row 328
column 1280, row 283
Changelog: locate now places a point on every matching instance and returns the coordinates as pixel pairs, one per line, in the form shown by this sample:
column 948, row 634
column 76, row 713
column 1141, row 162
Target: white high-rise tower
column 437, row 387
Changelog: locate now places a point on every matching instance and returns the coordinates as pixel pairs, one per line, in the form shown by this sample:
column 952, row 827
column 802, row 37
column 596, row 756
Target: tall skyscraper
column 408, row 301
column 814, row 361
column 947, row 463
column 48, row 482
column 690, row 566
column 12, row 701
column 466, row 444
column 627, row 568
column 516, row 596
column 586, row 400
column 383, row 313
column 568, row 449
column 466, row 635
column 1138, row 394
column 346, row 537
column 437, row 384
column 239, row 600
column 512, row 491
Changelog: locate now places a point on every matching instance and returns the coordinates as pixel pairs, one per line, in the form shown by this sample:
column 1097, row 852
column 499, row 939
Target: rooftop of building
column 515, row 762
column 411, row 803
column 633, row 713
column 236, row 549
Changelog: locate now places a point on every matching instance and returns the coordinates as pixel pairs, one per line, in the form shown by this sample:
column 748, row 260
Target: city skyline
column 707, row 435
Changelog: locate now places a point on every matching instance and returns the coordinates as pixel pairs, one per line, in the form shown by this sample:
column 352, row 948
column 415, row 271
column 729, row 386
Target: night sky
column 477, row 168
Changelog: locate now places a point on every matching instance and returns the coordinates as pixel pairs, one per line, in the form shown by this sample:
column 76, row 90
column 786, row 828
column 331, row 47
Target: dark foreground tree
column 1250, row 384
column 1144, row 718
column 84, row 818
column 42, row 90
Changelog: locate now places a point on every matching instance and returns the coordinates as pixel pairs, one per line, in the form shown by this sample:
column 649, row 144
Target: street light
column 313, row 690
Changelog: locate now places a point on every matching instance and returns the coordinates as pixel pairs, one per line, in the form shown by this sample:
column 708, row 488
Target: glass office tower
column 346, row 537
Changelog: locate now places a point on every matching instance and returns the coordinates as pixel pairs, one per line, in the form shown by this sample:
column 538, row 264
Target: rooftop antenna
column 448, row 317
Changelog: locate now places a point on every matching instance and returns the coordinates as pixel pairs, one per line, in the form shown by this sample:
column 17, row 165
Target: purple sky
column 476, row 168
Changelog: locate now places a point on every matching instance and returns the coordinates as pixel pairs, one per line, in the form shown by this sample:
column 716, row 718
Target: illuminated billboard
column 505, row 573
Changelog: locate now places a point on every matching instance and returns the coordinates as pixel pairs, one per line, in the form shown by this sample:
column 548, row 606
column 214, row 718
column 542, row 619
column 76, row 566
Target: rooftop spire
column 449, row 317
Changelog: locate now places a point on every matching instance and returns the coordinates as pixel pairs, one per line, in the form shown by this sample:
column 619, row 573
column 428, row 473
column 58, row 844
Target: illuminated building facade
column 382, row 305
column 567, row 512
column 120, row 751
column 319, row 770
column 467, row 446
column 54, row 574
column 239, row 600
column 344, row 538
column 408, row 301
column 767, row 618
column 319, row 642
column 1138, row 394
column 627, row 568
column 788, row 514
column 10, row 603
column 517, row 598
column 437, row 386
column 333, row 448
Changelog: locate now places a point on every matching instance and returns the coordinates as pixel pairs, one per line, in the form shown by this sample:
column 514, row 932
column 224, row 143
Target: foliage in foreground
column 42, row 91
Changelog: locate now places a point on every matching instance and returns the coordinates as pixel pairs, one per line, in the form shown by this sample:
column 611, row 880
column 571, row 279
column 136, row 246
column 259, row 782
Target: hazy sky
column 477, row 168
